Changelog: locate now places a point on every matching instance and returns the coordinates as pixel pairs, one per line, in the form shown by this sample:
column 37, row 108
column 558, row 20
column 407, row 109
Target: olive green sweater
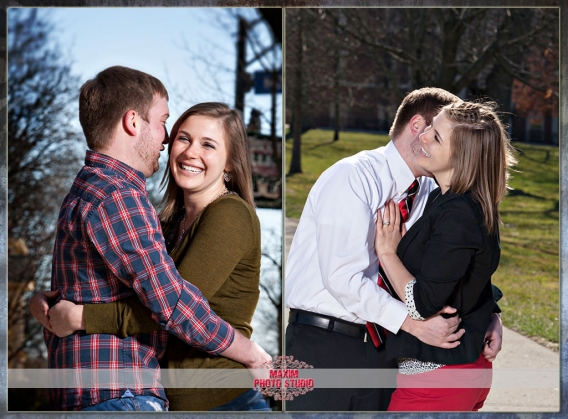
column 220, row 255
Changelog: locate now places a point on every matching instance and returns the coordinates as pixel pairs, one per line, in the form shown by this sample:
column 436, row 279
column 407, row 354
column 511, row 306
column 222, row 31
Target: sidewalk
column 518, row 353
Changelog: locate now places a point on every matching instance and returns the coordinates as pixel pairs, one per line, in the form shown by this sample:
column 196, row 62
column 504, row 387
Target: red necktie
column 377, row 333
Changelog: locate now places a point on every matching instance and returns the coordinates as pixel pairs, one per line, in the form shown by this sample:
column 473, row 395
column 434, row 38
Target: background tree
column 543, row 66
column 315, row 69
column 294, row 63
column 479, row 49
column 327, row 71
column 471, row 52
column 43, row 141
column 43, row 157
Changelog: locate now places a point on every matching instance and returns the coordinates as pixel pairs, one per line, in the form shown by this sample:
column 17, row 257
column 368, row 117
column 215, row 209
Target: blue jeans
column 249, row 400
column 134, row 403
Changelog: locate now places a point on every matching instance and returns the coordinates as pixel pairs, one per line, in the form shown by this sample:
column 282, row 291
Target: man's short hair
column 426, row 102
column 105, row 99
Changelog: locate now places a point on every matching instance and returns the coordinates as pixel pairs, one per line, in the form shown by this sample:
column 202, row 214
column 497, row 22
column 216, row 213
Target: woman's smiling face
column 435, row 152
column 199, row 155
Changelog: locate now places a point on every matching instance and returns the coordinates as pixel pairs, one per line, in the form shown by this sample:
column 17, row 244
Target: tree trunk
column 336, row 77
column 276, row 153
column 296, row 161
column 499, row 83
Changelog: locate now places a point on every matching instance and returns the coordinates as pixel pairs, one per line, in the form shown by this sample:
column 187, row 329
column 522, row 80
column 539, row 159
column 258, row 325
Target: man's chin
column 423, row 172
column 419, row 170
column 156, row 165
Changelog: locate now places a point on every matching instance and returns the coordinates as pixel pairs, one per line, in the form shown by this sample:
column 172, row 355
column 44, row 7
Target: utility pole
column 242, row 82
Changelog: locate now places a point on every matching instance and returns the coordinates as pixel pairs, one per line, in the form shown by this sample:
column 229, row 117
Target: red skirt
column 460, row 388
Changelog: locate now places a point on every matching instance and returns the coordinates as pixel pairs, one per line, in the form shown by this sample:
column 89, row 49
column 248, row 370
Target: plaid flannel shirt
column 109, row 246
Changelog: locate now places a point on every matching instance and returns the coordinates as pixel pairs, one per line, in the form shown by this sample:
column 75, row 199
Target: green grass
column 529, row 270
column 528, row 273
column 318, row 153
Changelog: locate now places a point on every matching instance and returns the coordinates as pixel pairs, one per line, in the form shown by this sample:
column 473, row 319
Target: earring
column 227, row 176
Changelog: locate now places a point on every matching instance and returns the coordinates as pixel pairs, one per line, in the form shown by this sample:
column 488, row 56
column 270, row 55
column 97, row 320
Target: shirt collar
column 401, row 173
column 96, row 159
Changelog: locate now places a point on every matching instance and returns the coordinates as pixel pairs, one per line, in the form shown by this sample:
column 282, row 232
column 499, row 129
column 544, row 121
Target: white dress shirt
column 332, row 268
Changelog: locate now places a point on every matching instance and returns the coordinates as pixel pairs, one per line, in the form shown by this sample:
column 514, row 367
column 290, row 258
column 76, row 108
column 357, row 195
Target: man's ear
column 417, row 124
column 130, row 122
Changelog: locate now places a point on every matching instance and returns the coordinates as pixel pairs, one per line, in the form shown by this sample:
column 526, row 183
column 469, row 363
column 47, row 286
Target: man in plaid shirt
column 109, row 246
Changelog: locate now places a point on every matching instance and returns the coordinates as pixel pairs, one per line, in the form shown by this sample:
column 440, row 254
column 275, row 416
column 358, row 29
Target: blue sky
column 192, row 50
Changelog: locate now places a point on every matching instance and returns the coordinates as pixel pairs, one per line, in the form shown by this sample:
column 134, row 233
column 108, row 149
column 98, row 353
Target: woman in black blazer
column 448, row 257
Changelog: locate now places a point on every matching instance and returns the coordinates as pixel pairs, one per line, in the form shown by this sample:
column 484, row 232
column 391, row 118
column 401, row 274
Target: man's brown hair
column 105, row 99
column 426, row 102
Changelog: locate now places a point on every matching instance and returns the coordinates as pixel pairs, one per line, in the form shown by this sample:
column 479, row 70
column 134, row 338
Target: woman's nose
column 189, row 151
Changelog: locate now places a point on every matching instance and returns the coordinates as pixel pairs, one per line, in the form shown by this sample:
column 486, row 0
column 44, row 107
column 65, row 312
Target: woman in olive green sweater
column 213, row 235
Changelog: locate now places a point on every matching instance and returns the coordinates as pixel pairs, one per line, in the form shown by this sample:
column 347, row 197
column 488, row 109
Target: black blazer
column 452, row 257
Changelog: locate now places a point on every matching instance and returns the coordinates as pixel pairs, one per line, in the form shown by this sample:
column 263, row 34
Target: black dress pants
column 323, row 349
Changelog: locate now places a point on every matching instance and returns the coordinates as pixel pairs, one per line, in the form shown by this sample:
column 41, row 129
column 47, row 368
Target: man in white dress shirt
column 331, row 273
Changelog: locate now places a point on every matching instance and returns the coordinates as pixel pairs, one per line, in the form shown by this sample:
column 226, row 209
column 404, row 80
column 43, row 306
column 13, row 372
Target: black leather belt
column 331, row 324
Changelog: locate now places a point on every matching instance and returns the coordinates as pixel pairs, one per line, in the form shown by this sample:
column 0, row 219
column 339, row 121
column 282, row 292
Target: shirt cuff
column 410, row 305
column 394, row 314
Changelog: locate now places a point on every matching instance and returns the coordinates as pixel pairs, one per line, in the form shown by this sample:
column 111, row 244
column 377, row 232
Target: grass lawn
column 318, row 153
column 528, row 273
